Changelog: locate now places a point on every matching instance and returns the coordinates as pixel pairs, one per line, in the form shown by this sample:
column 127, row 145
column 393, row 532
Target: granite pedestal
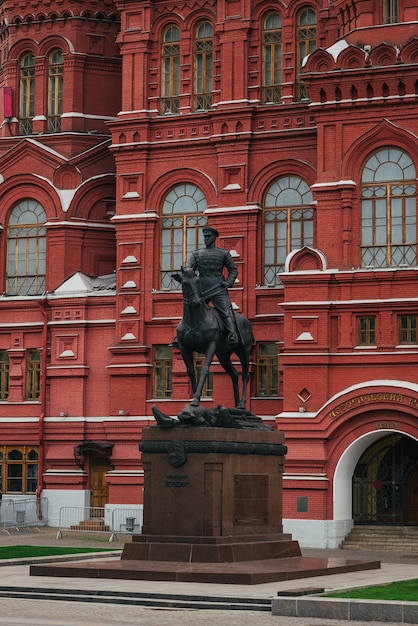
column 212, row 495
column 212, row 513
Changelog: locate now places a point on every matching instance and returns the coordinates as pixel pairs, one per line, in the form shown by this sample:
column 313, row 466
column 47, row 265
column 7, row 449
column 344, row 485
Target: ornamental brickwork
column 125, row 128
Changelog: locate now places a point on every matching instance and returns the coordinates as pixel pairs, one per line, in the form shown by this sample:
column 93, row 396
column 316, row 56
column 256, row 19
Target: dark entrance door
column 99, row 485
column 383, row 482
column 411, row 498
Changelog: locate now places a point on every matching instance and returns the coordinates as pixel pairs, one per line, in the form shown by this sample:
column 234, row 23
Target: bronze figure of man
column 210, row 263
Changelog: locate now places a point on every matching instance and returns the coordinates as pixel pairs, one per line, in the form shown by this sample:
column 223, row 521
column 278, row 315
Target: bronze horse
column 201, row 330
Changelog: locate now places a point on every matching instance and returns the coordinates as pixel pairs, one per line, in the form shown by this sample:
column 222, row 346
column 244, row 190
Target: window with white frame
column 288, row 223
column 388, row 210
column 183, row 219
column 26, row 249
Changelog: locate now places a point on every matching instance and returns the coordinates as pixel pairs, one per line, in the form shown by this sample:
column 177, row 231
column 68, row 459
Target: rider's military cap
column 208, row 230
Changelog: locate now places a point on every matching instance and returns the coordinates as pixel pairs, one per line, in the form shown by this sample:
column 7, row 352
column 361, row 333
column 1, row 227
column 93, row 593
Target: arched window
column 26, row 93
column 26, row 249
column 306, row 44
column 170, row 88
column 388, row 210
column 203, row 66
column 288, row 223
column 272, row 58
column 181, row 229
column 55, row 87
column 19, row 469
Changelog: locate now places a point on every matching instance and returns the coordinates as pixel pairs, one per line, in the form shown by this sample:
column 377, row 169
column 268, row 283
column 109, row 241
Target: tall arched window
column 203, row 66
column 55, row 87
column 288, row 223
column 272, row 58
column 388, row 210
column 306, row 44
column 181, row 229
column 26, row 93
column 170, row 88
column 26, row 249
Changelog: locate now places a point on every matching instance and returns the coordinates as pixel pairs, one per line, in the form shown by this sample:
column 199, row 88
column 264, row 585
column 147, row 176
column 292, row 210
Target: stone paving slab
column 347, row 609
column 394, row 567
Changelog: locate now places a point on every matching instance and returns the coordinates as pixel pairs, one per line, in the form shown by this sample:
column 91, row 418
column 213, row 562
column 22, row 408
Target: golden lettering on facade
column 380, row 425
column 370, row 397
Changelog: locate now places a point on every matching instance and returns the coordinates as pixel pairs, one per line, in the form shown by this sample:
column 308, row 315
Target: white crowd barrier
column 98, row 520
column 24, row 513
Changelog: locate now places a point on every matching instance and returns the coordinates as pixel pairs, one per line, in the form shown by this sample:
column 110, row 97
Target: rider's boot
column 232, row 335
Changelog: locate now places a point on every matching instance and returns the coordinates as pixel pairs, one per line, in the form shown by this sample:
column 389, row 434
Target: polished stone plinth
column 244, row 572
column 212, row 482
column 212, row 514
column 231, row 549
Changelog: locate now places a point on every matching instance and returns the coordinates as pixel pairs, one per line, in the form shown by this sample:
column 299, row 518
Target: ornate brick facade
column 289, row 128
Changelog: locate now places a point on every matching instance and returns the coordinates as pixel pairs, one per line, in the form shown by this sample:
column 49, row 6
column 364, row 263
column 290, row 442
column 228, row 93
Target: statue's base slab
column 240, row 573
column 232, row 549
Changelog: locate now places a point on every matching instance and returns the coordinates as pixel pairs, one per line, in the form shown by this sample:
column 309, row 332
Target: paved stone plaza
column 19, row 606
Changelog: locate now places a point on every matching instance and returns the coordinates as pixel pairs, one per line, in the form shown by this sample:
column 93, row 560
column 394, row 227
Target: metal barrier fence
column 98, row 520
column 17, row 514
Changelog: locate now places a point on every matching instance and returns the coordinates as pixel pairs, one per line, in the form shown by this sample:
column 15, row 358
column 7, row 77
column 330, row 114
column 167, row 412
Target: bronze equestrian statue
column 212, row 330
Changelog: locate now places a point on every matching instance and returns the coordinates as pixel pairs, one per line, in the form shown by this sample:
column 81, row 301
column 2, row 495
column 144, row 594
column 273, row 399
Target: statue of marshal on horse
column 213, row 329
column 210, row 262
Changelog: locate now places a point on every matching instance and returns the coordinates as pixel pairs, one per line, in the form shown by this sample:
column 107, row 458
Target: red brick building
column 291, row 128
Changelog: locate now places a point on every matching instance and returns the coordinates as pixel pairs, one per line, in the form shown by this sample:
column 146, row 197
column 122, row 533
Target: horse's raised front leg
column 204, row 373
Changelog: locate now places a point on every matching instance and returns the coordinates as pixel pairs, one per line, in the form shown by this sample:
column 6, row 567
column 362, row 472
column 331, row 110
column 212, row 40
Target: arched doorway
column 385, row 482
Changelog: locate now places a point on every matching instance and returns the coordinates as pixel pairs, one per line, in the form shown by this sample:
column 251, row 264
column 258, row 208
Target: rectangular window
column 407, row 329
column 390, row 11
column 162, row 385
column 267, row 369
column 4, row 375
column 366, row 331
column 33, row 375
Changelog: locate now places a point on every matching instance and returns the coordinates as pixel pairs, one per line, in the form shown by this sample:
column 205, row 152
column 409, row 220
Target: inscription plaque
column 177, row 480
column 251, row 499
